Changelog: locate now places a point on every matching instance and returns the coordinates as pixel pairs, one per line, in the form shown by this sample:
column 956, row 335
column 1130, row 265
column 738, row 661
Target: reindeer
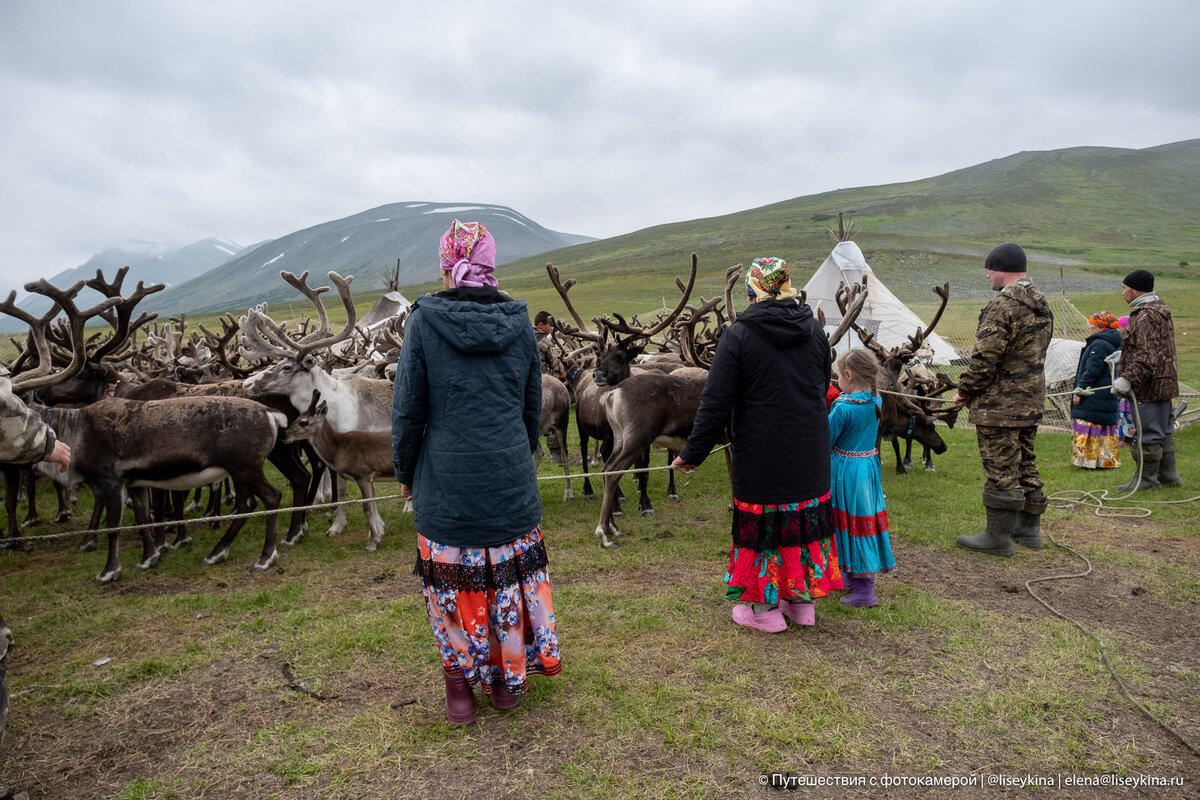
column 364, row 456
column 556, row 412
column 47, row 369
column 619, row 343
column 124, row 445
column 354, row 403
column 900, row 417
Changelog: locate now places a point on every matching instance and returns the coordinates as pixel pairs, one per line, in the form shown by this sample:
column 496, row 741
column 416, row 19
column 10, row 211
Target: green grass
column 660, row 697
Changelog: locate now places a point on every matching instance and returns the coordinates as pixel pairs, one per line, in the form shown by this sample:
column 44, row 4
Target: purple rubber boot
column 460, row 700
column 862, row 593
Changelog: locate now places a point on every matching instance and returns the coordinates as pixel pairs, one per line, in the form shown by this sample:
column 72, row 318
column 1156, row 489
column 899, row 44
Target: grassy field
column 320, row 679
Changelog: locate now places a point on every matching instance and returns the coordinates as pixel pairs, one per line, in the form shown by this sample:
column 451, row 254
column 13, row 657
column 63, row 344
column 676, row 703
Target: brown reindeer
column 901, row 417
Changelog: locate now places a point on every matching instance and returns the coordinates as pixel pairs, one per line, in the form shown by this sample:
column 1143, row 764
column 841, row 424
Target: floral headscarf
column 768, row 280
column 469, row 252
column 1103, row 319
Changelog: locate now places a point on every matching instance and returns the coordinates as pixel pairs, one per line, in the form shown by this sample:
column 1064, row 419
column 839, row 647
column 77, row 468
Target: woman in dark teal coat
column 465, row 415
column 1094, row 408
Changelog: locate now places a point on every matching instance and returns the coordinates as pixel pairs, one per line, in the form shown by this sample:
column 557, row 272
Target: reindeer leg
column 150, row 540
column 12, row 478
column 588, row 494
column 271, row 497
column 671, row 493
column 114, row 507
column 908, row 454
column 64, row 505
column 568, row 492
column 89, row 539
column 31, row 514
column 339, row 515
column 177, row 504
column 286, row 458
column 900, row 470
column 606, row 526
column 643, row 479
column 927, row 458
column 374, row 520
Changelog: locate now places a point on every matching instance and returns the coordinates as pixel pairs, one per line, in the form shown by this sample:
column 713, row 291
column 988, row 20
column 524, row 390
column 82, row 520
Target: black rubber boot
column 996, row 540
column 1167, row 476
column 1028, row 530
column 1150, row 460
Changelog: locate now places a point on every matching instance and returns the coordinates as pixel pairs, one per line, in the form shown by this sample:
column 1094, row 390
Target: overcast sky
column 174, row 121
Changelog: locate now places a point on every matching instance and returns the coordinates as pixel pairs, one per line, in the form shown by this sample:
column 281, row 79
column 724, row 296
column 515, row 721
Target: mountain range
column 1083, row 209
column 394, row 240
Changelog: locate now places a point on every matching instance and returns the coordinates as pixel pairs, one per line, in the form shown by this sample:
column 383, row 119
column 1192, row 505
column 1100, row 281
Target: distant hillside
column 1086, row 210
column 148, row 262
column 366, row 245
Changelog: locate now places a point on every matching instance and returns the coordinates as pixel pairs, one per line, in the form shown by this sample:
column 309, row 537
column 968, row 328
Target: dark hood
column 1113, row 337
column 783, row 323
column 476, row 321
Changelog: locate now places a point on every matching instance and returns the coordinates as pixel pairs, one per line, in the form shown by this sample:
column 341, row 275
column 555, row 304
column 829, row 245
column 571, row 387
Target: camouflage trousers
column 1009, row 466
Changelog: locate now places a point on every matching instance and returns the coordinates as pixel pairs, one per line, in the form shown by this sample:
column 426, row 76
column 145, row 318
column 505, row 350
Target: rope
column 1103, row 652
column 275, row 511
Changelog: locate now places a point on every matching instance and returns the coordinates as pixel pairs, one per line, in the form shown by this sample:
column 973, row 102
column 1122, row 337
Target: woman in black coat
column 767, row 385
column 1094, row 408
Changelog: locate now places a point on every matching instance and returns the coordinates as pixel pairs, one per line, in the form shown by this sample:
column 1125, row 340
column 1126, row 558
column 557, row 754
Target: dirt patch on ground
column 97, row 749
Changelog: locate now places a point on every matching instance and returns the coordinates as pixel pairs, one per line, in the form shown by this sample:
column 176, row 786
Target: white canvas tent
column 883, row 314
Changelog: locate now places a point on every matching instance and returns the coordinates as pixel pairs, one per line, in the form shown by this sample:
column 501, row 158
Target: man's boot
column 1028, row 531
column 1149, row 459
column 1167, row 476
column 996, row 539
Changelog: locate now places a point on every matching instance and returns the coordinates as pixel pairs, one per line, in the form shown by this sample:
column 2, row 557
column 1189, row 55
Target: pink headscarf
column 469, row 252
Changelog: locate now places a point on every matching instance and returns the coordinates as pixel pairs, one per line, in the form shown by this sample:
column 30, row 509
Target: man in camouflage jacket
column 25, row 439
column 1004, row 386
column 1150, row 370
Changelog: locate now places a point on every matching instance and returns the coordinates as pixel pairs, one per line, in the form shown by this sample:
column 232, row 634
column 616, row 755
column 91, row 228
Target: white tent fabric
column 883, row 314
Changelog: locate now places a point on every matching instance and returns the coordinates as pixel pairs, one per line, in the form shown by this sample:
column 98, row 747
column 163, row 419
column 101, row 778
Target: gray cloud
column 173, row 122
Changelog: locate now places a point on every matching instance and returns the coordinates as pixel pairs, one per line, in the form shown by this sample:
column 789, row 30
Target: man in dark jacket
column 1004, row 385
column 1150, row 370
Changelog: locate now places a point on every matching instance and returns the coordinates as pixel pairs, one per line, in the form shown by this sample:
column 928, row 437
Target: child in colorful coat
column 856, row 488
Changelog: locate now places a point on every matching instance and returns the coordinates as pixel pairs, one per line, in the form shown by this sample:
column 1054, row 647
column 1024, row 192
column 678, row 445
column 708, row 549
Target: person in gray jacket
column 465, row 415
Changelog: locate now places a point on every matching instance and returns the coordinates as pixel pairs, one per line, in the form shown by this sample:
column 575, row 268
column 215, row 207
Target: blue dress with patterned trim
column 856, row 488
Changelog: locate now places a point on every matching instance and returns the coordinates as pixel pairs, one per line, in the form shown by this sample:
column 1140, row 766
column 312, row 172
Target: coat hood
column 1025, row 293
column 783, row 323
column 475, row 323
column 1113, row 337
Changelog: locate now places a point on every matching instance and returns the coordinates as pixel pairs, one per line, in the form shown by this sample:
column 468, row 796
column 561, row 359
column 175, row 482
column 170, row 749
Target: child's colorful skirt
column 491, row 610
column 782, row 551
column 1094, row 446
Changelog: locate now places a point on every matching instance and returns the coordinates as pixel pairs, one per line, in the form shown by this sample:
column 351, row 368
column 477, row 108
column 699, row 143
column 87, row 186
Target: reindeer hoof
column 371, row 546
column 568, row 495
column 295, row 540
column 262, row 566
column 178, row 543
column 674, row 498
column 31, row 522
column 647, row 512
column 216, row 558
column 63, row 517
column 107, row 577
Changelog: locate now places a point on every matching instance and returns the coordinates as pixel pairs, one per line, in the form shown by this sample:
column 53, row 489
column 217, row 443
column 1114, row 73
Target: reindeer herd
column 154, row 412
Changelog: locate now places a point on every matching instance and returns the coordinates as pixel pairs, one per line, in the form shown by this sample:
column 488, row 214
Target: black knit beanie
column 1007, row 257
column 1140, row 281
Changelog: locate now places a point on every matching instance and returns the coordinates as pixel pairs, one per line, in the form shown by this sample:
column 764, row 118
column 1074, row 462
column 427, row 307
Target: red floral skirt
column 491, row 610
column 782, row 551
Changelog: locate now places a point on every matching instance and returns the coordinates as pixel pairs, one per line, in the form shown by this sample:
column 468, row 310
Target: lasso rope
column 1103, row 652
column 276, row 511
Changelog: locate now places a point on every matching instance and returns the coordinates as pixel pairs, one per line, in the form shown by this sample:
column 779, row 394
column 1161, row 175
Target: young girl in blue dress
column 856, row 489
